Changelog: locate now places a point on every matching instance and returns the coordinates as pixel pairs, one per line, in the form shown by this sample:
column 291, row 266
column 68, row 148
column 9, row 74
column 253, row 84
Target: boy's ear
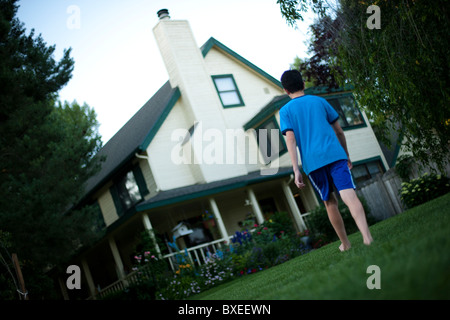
column 286, row 91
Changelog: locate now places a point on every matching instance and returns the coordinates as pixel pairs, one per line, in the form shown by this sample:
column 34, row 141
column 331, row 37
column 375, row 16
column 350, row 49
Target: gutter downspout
column 139, row 156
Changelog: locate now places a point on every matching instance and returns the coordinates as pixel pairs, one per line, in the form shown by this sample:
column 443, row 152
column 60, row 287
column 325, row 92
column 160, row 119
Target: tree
column 299, row 64
column 321, row 69
column 400, row 71
column 292, row 10
column 47, row 149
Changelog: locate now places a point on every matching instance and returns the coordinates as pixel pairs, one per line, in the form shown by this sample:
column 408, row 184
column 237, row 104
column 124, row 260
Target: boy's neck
column 296, row 94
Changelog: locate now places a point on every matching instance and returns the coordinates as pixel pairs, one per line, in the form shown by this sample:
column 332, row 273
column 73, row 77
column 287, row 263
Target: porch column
column 117, row 259
column 255, row 206
column 88, row 275
column 220, row 224
column 149, row 228
column 63, row 287
column 293, row 206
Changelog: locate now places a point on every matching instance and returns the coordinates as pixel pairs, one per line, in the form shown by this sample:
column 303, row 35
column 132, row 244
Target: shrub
column 216, row 270
column 403, row 166
column 180, row 287
column 423, row 189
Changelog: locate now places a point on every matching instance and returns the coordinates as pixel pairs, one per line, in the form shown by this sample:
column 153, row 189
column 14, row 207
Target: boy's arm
column 341, row 137
column 291, row 144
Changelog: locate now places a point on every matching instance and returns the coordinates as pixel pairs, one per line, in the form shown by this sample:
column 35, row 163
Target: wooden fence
column 382, row 192
column 382, row 195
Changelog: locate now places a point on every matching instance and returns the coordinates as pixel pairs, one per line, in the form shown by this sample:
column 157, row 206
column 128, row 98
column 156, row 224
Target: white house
column 197, row 148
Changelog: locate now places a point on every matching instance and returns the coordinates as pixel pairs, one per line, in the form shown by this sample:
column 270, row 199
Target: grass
column 411, row 249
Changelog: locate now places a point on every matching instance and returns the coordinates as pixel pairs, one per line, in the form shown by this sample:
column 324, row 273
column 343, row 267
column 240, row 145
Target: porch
column 211, row 220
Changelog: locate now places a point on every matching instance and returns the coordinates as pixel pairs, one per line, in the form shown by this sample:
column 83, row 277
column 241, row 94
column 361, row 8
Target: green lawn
column 412, row 251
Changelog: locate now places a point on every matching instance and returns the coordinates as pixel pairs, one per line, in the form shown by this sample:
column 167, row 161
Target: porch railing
column 197, row 256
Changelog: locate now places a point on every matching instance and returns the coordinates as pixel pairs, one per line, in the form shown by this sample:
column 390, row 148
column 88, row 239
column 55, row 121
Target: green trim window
column 265, row 133
column 349, row 115
column 128, row 190
column 367, row 170
column 228, row 91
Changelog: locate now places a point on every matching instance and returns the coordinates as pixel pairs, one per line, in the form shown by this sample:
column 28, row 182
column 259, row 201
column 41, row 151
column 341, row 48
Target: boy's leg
column 343, row 181
column 336, row 221
column 321, row 180
column 357, row 211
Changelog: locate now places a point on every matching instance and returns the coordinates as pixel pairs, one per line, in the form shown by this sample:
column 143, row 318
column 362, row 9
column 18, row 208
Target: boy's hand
column 299, row 180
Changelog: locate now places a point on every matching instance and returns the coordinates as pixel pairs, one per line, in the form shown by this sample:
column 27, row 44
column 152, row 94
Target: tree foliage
column 293, row 10
column 400, row 71
column 47, row 149
column 321, row 68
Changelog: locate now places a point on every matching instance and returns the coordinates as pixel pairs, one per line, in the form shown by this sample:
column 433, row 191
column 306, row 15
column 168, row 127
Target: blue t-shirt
column 310, row 117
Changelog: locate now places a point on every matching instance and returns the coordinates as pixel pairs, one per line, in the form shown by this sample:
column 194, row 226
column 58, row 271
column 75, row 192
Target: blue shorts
column 337, row 173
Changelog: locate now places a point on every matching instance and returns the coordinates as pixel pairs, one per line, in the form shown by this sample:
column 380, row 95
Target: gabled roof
column 135, row 135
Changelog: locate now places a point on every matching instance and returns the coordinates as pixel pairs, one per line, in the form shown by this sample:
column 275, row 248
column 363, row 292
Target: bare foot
column 368, row 241
column 344, row 247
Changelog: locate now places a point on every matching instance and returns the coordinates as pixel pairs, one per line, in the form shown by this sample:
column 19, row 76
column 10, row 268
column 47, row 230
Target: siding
column 148, row 176
column 166, row 173
column 362, row 143
column 256, row 91
column 107, row 207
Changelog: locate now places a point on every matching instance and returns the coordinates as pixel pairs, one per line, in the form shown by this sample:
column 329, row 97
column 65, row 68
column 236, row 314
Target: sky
column 118, row 66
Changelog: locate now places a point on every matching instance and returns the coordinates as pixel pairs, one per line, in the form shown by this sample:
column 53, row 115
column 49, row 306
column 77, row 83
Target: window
column 128, row 190
column 265, row 134
column 366, row 171
column 228, row 92
column 349, row 114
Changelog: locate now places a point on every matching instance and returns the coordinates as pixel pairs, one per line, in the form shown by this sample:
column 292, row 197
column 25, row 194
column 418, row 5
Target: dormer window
column 128, row 190
column 228, row 92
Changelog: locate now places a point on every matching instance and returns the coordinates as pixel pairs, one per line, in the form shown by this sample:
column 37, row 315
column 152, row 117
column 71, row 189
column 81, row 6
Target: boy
column 312, row 122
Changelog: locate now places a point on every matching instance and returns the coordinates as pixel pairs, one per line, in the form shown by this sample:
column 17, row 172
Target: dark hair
column 292, row 81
